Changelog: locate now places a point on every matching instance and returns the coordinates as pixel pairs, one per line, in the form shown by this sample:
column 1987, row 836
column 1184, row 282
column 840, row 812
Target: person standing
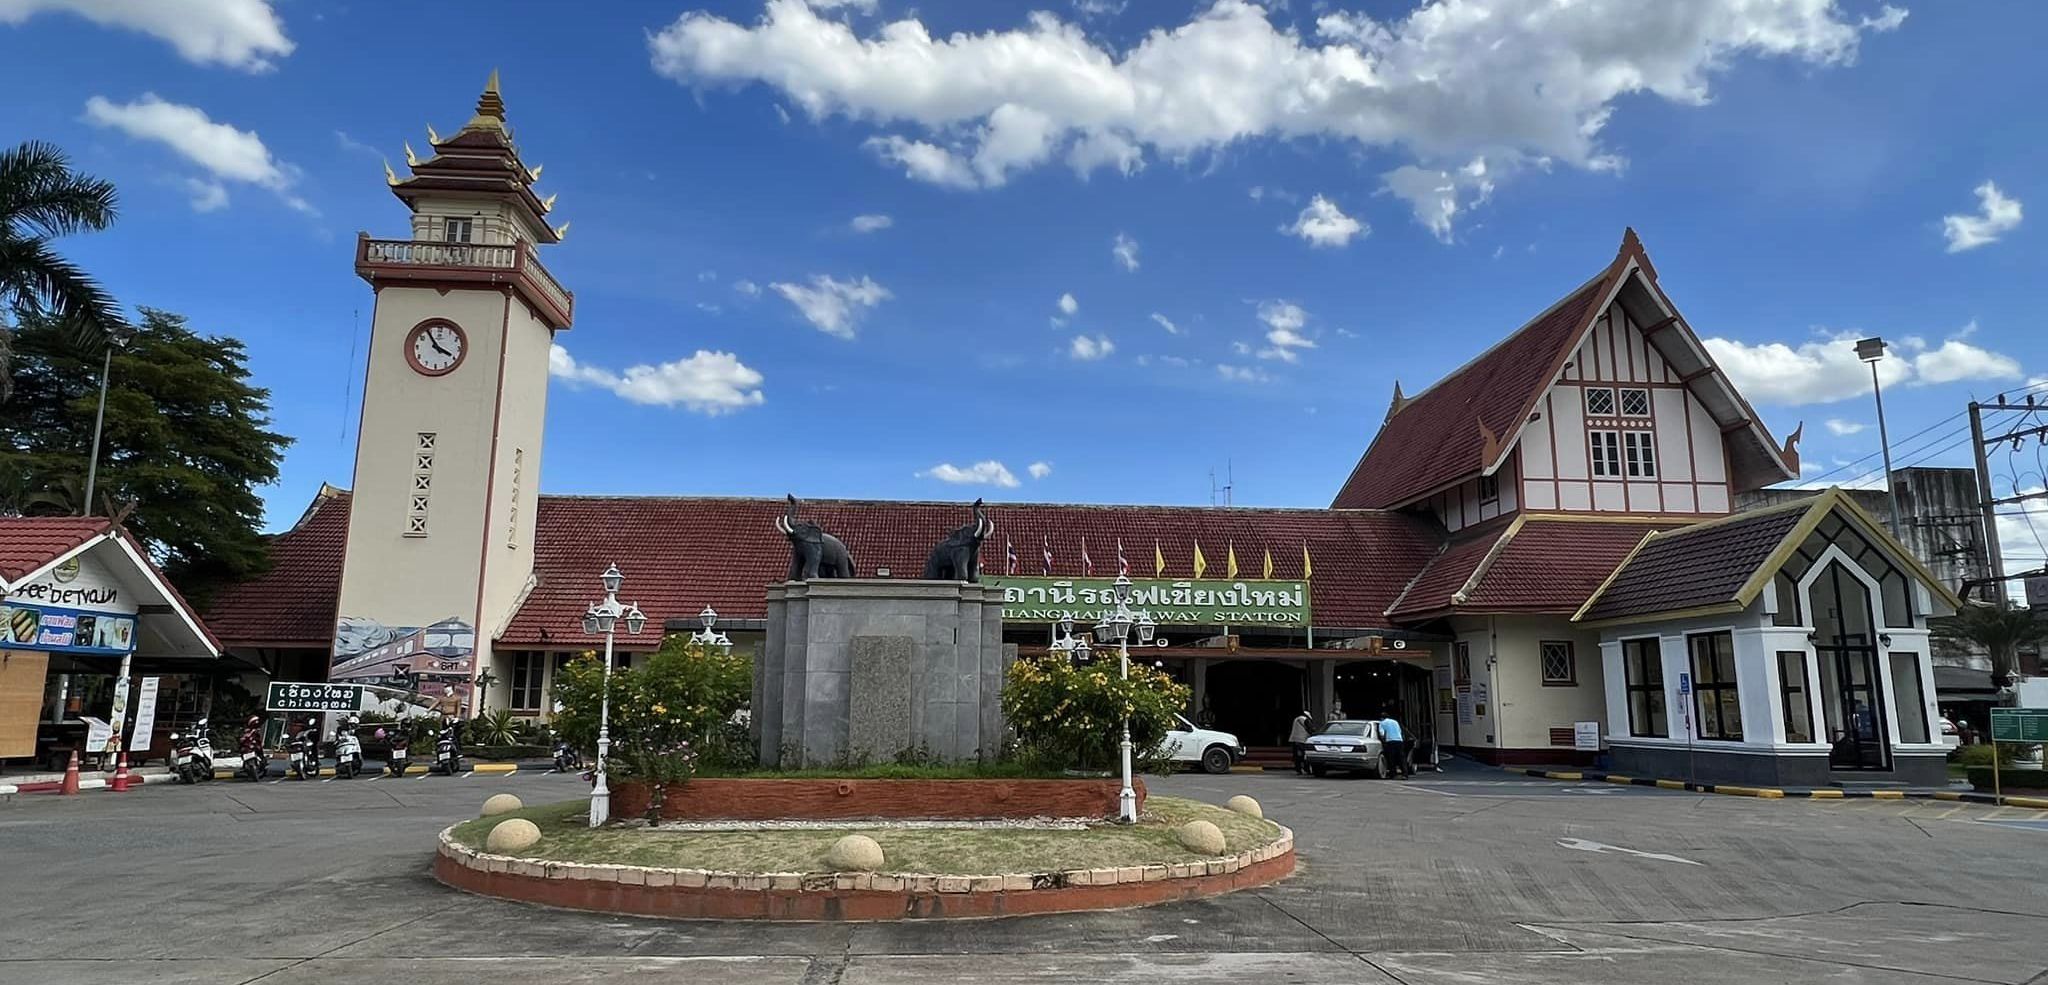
column 1297, row 738
column 1394, row 745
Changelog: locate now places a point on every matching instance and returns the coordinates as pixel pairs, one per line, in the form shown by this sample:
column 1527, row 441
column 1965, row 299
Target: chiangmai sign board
column 1246, row 602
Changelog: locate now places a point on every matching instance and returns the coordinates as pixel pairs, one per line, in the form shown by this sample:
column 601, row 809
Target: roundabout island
column 873, row 869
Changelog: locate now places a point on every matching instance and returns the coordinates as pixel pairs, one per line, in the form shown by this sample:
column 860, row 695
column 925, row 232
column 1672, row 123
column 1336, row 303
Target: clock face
column 435, row 348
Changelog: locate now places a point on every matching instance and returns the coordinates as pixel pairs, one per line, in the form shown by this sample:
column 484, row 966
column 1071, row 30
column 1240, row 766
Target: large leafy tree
column 187, row 439
column 40, row 200
column 2002, row 629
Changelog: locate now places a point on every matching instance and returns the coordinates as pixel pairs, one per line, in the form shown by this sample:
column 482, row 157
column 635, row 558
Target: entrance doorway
column 1371, row 688
column 1852, row 692
column 1256, row 700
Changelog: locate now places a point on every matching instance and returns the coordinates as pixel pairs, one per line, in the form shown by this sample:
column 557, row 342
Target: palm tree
column 40, row 200
column 2001, row 629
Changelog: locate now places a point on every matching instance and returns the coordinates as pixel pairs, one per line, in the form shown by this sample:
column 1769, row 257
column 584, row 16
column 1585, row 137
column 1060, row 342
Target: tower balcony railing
column 515, row 265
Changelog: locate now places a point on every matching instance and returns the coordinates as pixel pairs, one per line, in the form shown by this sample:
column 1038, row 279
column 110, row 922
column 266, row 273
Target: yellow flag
column 1158, row 560
column 1230, row 558
column 1266, row 570
column 1201, row 563
column 1307, row 570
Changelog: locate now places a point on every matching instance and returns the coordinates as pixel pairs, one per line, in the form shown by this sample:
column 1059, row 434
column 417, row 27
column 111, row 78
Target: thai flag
column 1009, row 557
column 1123, row 567
column 1048, row 555
column 1087, row 564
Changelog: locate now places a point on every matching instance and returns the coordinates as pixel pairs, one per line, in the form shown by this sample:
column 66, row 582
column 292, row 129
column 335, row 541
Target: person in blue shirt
column 1395, row 745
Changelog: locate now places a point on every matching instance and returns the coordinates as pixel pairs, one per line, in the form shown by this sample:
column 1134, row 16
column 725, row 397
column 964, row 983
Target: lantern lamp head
column 635, row 619
column 709, row 616
column 612, row 579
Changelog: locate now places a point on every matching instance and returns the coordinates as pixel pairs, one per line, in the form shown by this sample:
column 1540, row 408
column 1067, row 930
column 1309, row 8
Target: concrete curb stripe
column 1774, row 793
column 499, row 768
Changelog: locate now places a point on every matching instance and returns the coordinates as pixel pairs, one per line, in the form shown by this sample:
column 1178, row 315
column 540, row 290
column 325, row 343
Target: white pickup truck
column 1208, row 749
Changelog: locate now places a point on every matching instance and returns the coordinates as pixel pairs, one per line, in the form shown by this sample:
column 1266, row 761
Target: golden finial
column 432, row 137
column 548, row 204
column 490, row 107
column 390, row 176
column 562, row 231
column 411, row 159
column 533, row 174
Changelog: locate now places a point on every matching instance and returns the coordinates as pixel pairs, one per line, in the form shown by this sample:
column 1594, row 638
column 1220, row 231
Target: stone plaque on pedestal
column 859, row 671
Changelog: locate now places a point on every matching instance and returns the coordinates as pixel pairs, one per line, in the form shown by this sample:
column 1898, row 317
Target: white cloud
column 1068, row 305
column 871, row 223
column 1100, row 8
column 1433, row 195
column 1826, row 369
column 207, row 196
column 710, row 383
column 834, row 306
column 2020, row 536
column 747, row 287
column 1166, row 323
column 864, row 6
column 1842, row 429
column 1125, row 249
column 244, row 34
column 1996, row 216
column 1242, row 374
column 1090, row 348
column 226, row 153
column 1322, row 223
column 1284, row 320
column 1888, row 19
column 1039, row 470
column 989, row 473
column 1448, row 81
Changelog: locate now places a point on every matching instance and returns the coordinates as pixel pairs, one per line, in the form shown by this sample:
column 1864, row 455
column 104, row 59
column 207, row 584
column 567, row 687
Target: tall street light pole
column 116, row 337
column 1116, row 628
column 1871, row 350
column 604, row 618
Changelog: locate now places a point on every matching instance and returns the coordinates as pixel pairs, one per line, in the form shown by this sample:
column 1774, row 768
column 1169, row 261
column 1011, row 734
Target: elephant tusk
column 782, row 525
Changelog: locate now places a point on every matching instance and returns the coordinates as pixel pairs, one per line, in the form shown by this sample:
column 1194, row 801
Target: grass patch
column 932, row 851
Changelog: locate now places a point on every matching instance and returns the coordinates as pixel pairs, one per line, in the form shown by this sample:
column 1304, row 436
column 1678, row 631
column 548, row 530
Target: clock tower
column 440, row 536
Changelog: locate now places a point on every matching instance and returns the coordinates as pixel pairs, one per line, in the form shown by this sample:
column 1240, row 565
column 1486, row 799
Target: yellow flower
column 661, row 709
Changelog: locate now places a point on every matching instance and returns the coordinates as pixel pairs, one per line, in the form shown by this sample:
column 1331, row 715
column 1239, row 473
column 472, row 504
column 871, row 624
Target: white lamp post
column 604, row 618
column 706, row 636
column 117, row 337
column 1115, row 627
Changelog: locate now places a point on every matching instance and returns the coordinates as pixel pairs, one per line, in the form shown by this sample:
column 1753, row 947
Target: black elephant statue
column 958, row 557
column 813, row 553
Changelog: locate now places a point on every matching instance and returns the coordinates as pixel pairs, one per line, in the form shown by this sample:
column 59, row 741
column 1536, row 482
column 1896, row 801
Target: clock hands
column 436, row 343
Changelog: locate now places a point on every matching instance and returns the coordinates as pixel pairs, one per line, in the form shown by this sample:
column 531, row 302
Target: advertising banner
column 57, row 629
column 145, row 715
column 1249, row 602
column 441, row 657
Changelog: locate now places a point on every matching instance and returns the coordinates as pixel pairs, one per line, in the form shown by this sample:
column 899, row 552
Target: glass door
column 1853, row 692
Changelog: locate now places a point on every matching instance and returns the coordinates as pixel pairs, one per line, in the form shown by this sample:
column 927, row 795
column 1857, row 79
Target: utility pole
column 1986, row 501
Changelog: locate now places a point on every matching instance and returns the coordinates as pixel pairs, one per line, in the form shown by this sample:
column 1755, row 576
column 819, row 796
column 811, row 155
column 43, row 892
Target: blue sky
column 1318, row 199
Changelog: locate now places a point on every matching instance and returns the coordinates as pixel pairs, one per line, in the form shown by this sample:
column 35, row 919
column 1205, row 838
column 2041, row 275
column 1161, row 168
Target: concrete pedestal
column 862, row 670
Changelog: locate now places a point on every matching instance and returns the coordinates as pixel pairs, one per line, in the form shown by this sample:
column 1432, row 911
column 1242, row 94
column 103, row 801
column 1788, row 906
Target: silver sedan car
column 1347, row 745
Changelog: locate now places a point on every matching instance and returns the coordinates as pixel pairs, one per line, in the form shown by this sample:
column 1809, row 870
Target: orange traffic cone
column 119, row 784
column 70, row 785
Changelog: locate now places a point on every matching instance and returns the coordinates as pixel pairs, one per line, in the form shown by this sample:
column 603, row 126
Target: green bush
column 669, row 715
column 1980, row 754
column 1070, row 716
column 492, row 728
column 1980, row 778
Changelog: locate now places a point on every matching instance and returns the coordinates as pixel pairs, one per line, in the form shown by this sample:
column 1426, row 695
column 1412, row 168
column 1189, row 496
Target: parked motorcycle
column 348, row 749
column 303, row 752
column 255, row 760
column 566, row 756
column 401, row 752
column 448, row 748
column 192, row 754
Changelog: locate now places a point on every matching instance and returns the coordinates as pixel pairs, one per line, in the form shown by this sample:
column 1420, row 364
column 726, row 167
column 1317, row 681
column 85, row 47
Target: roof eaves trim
column 1485, row 564
column 1612, row 575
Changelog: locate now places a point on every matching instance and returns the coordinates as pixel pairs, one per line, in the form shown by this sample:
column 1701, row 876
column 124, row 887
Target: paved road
column 1470, row 877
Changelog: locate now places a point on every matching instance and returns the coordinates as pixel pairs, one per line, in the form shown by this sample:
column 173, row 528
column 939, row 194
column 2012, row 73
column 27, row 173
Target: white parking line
column 1582, row 845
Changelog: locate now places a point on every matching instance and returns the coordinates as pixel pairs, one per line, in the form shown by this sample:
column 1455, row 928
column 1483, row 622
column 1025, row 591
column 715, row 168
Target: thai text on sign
column 1185, row 603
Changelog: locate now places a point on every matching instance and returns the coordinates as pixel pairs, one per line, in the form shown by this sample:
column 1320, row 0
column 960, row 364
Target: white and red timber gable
column 1605, row 403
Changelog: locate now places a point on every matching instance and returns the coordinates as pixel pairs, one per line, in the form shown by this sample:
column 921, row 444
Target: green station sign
column 2019, row 724
column 1244, row 602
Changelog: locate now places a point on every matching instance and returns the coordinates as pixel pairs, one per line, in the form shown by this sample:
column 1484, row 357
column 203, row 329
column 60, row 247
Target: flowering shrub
column 675, row 710
column 1070, row 716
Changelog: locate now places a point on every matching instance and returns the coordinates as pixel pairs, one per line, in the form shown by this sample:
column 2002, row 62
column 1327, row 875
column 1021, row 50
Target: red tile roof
column 679, row 554
column 293, row 603
column 1438, row 437
column 1537, row 564
column 1704, row 564
column 29, row 542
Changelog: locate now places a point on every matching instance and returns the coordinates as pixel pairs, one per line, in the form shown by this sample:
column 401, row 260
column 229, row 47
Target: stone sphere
column 854, row 853
column 515, row 835
column 503, row 803
column 1202, row 837
column 1244, row 805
